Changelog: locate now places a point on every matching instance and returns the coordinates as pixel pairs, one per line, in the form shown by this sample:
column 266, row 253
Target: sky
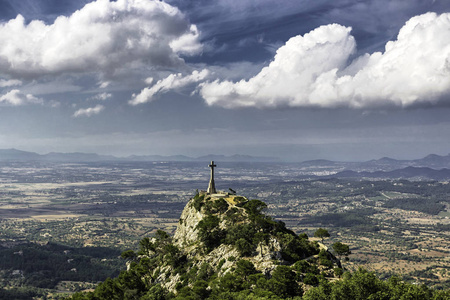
column 347, row 80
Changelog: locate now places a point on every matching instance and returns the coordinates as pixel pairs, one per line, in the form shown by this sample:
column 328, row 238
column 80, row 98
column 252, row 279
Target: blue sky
column 343, row 80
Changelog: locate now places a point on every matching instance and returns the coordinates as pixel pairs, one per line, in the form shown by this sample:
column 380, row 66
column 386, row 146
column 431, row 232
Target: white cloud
column 187, row 44
column 88, row 112
column 104, row 84
column 102, row 36
column 11, row 82
column 171, row 82
column 312, row 71
column 101, row 96
column 17, row 98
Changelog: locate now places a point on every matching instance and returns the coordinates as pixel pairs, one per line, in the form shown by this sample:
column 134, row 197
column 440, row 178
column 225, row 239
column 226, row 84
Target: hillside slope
column 225, row 247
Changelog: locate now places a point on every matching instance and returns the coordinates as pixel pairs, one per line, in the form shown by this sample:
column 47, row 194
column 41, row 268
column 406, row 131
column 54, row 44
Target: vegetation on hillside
column 243, row 281
column 303, row 273
column 32, row 269
column 247, row 227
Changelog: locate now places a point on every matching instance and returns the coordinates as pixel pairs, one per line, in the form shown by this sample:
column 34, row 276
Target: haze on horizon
column 344, row 80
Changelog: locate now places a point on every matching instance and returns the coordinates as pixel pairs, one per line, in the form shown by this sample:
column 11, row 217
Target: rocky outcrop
column 224, row 245
column 187, row 233
column 218, row 230
column 195, row 210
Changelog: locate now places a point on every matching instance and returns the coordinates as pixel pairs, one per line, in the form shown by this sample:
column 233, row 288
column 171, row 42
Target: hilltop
column 226, row 247
column 223, row 243
column 216, row 227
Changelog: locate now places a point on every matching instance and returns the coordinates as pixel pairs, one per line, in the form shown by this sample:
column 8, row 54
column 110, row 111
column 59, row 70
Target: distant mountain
column 319, row 162
column 158, row 158
column 19, row 155
column 236, row 158
column 406, row 173
column 385, row 164
column 206, row 158
column 76, row 157
column 434, row 161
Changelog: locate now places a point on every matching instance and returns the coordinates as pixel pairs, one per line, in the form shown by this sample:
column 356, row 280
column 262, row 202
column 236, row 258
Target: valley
column 393, row 226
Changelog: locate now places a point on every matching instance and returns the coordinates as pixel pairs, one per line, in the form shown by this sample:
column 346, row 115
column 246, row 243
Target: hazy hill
column 383, row 164
column 406, row 173
column 428, row 167
column 18, row 156
column 237, row 158
column 431, row 167
column 320, row 163
column 158, row 158
column 434, row 161
column 76, row 157
column 430, row 161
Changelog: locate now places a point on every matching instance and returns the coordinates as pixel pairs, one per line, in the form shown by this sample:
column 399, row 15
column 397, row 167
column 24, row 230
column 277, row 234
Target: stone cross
column 212, row 186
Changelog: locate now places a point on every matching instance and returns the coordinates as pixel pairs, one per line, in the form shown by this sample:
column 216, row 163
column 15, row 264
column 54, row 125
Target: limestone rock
column 186, row 236
column 186, row 232
column 229, row 210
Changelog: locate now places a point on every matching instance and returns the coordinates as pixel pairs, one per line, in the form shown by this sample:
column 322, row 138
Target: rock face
column 203, row 205
column 196, row 210
column 223, row 244
column 215, row 232
column 187, row 233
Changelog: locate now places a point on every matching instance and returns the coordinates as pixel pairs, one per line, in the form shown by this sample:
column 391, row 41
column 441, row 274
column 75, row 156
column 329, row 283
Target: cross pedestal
column 212, row 186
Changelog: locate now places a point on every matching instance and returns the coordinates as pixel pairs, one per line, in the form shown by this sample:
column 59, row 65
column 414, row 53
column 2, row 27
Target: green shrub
column 338, row 272
column 220, row 264
column 198, row 202
column 244, row 247
column 324, row 259
column 311, row 279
